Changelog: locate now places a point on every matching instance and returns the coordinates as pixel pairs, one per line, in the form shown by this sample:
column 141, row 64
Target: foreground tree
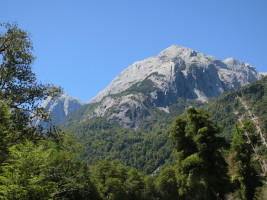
column 23, row 176
column 166, row 184
column 33, row 166
column 46, row 170
column 18, row 84
column 134, row 184
column 245, row 177
column 109, row 178
column 201, row 171
column 6, row 131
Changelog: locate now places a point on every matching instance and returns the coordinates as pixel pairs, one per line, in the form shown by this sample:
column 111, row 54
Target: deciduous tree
column 18, row 84
column 201, row 171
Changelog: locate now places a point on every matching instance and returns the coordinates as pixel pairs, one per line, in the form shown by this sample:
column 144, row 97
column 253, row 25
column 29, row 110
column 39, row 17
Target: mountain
column 246, row 103
column 147, row 148
column 60, row 107
column 150, row 86
column 178, row 69
column 129, row 120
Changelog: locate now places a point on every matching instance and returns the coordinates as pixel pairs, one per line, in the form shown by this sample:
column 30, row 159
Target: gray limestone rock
column 156, row 83
column 59, row 108
column 175, row 72
column 181, row 71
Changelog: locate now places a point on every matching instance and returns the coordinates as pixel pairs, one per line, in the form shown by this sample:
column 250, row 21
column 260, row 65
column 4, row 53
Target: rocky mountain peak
column 158, row 82
column 60, row 107
column 176, row 63
column 175, row 51
column 237, row 65
column 154, row 84
column 64, row 100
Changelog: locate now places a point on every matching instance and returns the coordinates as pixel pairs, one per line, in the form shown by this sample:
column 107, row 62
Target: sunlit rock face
column 160, row 81
column 156, row 83
column 180, row 71
column 60, row 107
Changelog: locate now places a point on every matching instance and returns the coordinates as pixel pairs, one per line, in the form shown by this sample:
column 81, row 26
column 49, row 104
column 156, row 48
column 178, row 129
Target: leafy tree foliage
column 201, row 171
column 69, row 172
column 23, row 175
column 245, row 176
column 46, row 171
column 115, row 181
column 223, row 108
column 110, row 178
column 134, row 184
column 6, row 130
column 108, row 141
column 166, row 184
column 18, row 84
column 37, row 166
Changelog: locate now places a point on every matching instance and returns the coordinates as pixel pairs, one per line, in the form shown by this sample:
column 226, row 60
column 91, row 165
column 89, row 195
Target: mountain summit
column 154, row 84
column 179, row 71
column 60, row 107
column 151, row 86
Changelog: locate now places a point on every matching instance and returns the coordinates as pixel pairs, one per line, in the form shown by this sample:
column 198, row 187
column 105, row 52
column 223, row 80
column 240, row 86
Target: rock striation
column 180, row 71
column 156, row 83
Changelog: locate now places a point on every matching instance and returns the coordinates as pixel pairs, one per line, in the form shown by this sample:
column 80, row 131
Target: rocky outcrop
column 60, row 107
column 178, row 71
column 158, row 82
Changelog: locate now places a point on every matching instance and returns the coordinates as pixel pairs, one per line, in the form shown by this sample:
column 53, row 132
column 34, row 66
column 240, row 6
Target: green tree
column 166, row 184
column 18, row 84
column 23, row 176
column 134, row 184
column 150, row 191
column 69, row 173
column 245, row 176
column 201, row 171
column 110, row 178
column 46, row 170
column 5, row 130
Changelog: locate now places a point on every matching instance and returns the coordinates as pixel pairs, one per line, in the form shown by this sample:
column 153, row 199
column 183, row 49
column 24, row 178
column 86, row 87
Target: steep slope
column 149, row 102
column 60, row 107
column 152, row 85
column 178, row 69
column 148, row 147
column 249, row 102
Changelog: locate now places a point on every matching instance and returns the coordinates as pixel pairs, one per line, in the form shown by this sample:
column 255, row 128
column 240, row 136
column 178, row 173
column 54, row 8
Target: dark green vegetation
column 148, row 148
column 246, row 176
column 197, row 155
column 228, row 108
column 115, row 163
column 145, row 149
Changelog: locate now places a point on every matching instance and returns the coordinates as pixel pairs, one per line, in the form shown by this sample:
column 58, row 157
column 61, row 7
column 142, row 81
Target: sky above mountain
column 83, row 45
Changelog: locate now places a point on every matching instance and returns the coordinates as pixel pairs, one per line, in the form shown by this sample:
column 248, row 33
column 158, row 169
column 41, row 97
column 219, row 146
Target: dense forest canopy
column 49, row 164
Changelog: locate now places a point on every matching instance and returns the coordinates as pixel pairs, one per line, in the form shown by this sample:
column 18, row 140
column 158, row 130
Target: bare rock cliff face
column 160, row 81
column 60, row 107
column 184, row 72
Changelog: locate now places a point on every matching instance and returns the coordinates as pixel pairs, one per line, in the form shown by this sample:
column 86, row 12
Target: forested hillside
column 99, row 160
column 148, row 147
column 248, row 102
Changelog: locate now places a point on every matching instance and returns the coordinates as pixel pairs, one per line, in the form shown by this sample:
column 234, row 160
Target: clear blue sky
column 83, row 45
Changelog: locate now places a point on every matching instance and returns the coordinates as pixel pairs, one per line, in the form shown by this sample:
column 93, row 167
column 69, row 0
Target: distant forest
column 216, row 152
